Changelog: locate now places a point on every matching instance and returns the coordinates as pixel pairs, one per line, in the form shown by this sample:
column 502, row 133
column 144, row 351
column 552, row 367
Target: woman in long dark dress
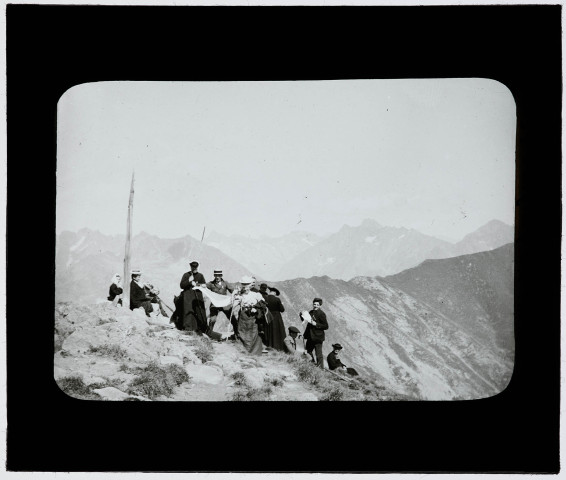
column 194, row 313
column 249, row 306
column 275, row 331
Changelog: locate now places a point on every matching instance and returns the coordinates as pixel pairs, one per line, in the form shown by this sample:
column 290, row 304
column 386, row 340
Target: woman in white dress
column 250, row 306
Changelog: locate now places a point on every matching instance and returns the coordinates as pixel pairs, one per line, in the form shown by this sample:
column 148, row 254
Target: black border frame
column 53, row 47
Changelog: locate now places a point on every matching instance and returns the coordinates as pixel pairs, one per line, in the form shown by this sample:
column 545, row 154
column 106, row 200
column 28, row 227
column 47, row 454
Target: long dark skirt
column 247, row 329
column 194, row 313
column 275, row 332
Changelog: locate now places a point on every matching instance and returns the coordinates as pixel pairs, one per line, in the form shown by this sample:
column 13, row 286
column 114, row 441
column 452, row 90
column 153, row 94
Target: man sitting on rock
column 334, row 362
column 290, row 340
column 138, row 296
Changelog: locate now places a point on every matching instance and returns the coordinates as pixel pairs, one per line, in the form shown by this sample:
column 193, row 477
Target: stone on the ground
column 204, row 374
column 92, row 380
column 59, row 372
column 111, row 393
column 307, row 397
column 254, row 378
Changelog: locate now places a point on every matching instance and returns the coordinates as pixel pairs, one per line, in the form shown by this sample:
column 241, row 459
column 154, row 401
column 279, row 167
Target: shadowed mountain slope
column 405, row 343
column 475, row 291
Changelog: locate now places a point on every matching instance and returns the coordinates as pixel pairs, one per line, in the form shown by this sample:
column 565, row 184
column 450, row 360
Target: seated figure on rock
column 138, row 295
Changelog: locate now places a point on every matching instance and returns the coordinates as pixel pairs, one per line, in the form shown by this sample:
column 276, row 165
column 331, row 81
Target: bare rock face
column 111, row 393
column 255, row 377
column 205, row 374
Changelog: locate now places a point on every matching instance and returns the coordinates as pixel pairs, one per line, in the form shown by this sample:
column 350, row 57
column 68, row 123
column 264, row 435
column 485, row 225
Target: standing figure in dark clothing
column 264, row 320
column 314, row 331
column 218, row 285
column 138, row 297
column 194, row 314
column 334, row 361
column 116, row 290
column 275, row 329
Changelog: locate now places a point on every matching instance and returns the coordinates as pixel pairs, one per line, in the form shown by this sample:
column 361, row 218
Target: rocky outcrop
column 108, row 349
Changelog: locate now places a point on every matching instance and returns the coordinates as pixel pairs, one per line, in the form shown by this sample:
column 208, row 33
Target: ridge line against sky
column 268, row 158
column 261, row 237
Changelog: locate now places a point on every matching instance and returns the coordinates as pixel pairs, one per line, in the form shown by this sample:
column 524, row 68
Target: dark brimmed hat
column 274, row 290
column 193, row 264
column 263, row 287
column 294, row 329
column 319, row 300
column 336, row 346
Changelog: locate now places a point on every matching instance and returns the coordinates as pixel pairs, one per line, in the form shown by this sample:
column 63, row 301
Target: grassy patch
column 239, row 378
column 203, row 349
column 252, row 394
column 245, row 393
column 108, row 350
column 333, row 393
column 275, row 381
column 74, row 386
column 154, row 380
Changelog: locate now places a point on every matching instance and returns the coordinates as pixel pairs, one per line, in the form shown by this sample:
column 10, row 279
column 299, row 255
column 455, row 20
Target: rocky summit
column 110, row 353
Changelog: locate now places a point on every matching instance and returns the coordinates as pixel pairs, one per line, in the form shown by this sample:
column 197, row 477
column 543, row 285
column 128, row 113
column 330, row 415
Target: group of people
column 142, row 294
column 254, row 314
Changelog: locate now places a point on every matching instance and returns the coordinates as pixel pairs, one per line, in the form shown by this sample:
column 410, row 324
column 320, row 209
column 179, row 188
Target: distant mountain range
column 87, row 260
column 264, row 256
column 372, row 249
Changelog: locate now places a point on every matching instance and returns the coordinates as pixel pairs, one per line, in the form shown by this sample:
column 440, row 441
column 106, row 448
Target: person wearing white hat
column 250, row 307
column 138, row 297
column 219, row 285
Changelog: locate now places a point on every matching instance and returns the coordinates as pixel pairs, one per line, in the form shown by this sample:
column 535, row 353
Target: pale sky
column 268, row 158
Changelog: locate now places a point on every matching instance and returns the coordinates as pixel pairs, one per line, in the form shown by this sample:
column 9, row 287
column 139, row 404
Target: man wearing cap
column 194, row 314
column 290, row 340
column 314, row 331
column 218, row 285
column 334, row 361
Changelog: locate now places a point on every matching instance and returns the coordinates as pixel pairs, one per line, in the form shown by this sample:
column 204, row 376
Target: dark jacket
column 186, row 283
column 316, row 332
column 333, row 362
column 137, row 296
column 114, row 291
column 274, row 303
column 221, row 287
